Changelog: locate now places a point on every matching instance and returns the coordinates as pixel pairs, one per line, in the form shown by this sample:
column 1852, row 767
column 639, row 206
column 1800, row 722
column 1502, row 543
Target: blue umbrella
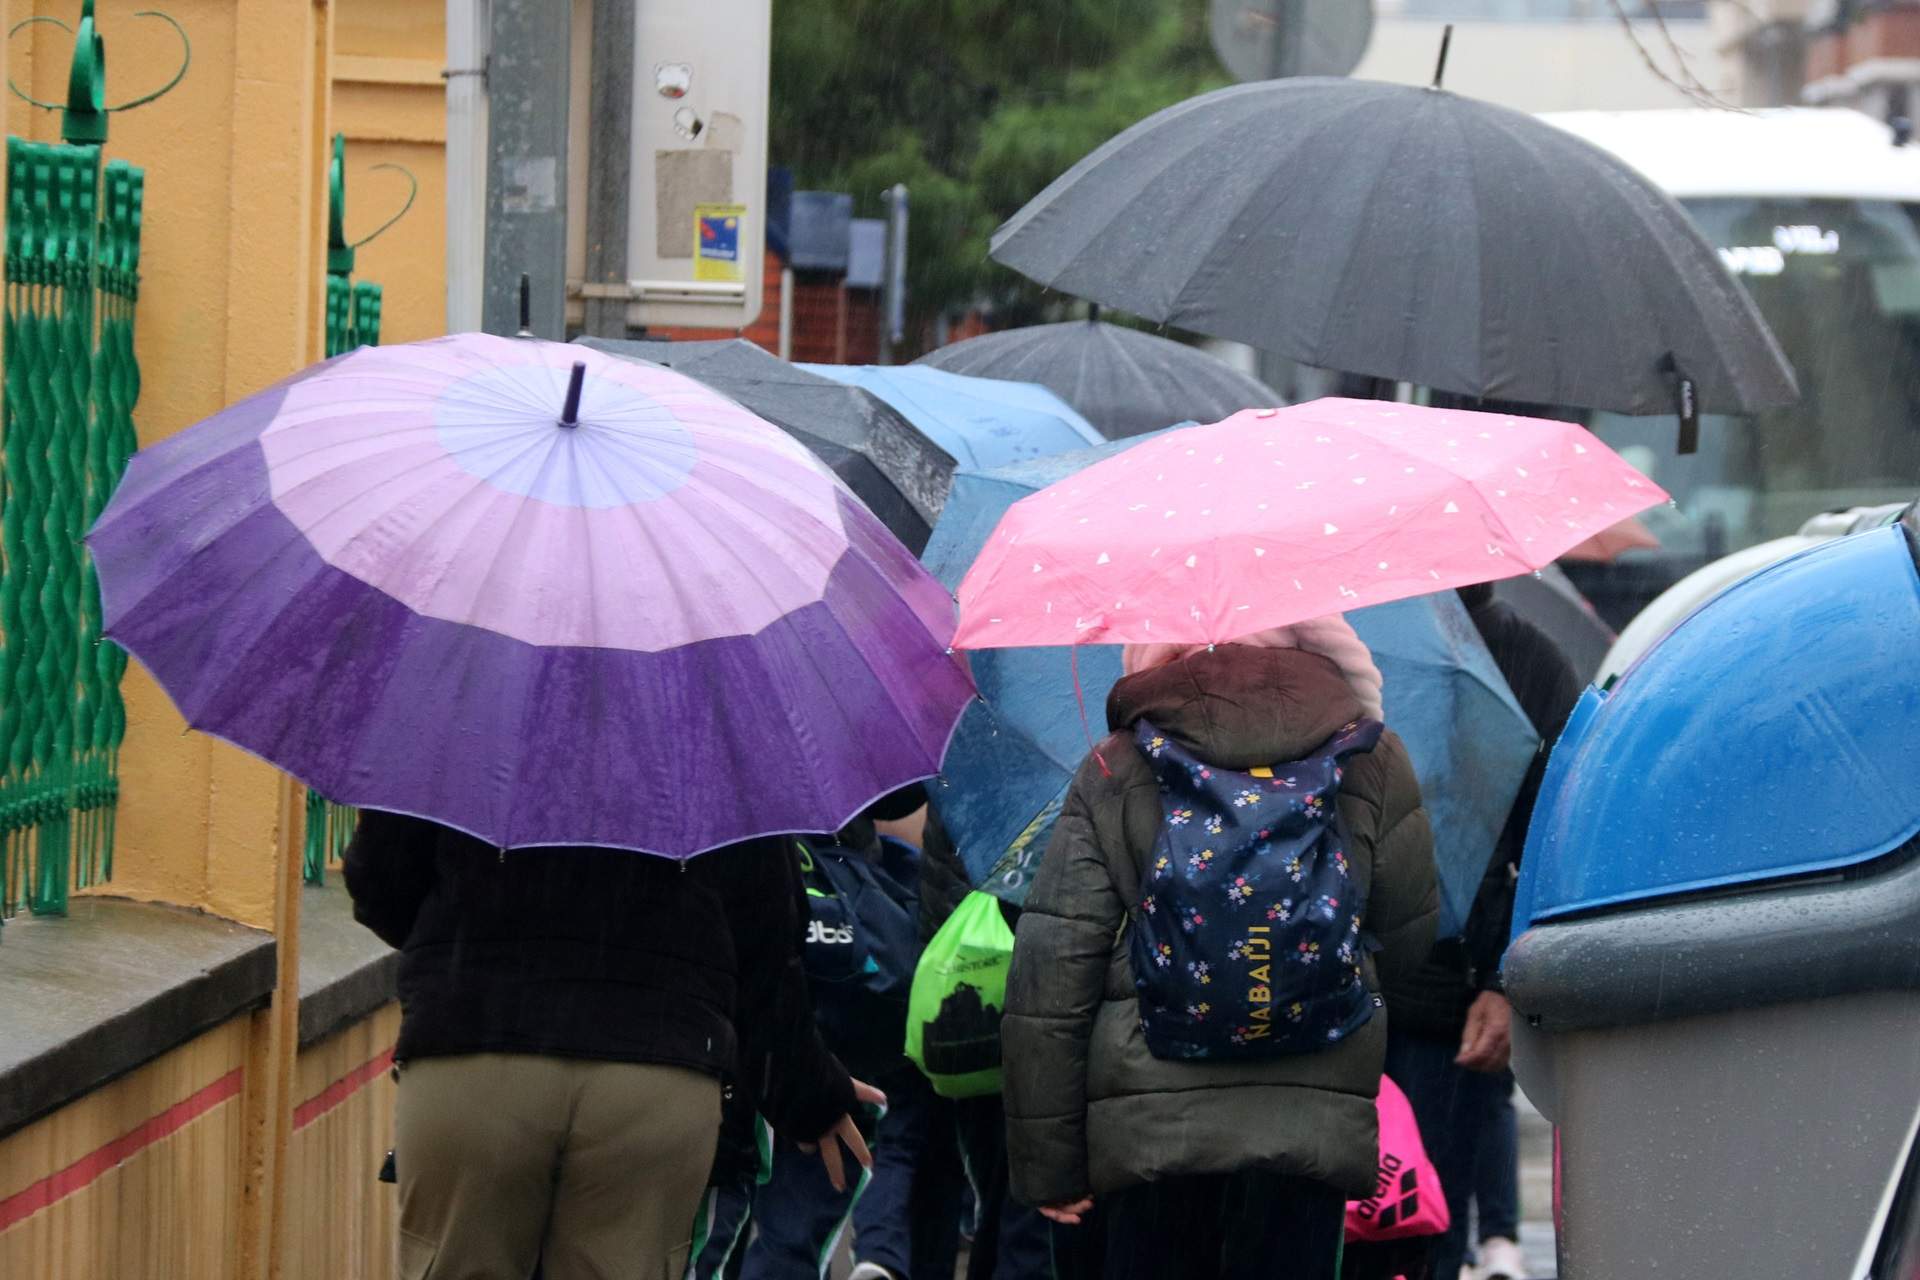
column 982, row 422
column 1007, row 770
column 1768, row 736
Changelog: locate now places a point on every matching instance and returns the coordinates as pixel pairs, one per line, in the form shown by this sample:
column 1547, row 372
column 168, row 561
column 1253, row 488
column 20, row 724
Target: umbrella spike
column 1440, row 67
column 570, row 412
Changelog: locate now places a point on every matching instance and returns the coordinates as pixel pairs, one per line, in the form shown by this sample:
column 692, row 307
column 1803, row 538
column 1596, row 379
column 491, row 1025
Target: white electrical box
column 697, row 211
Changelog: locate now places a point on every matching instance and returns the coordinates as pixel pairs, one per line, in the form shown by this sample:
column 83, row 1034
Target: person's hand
column 844, row 1130
column 1487, row 1043
column 1068, row 1214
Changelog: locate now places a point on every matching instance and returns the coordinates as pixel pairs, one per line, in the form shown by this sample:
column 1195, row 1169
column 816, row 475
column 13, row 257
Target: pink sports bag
column 1407, row 1199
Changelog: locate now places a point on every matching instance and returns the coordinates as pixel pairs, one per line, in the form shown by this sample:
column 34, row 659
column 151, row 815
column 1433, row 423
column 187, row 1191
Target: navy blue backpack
column 1247, row 940
column 863, row 942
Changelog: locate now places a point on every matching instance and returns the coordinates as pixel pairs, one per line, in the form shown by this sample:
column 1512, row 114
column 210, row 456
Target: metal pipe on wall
column 466, row 76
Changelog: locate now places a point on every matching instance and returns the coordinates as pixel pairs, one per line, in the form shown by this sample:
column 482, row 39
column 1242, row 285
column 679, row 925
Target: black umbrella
column 1123, row 381
column 895, row 470
column 1411, row 234
column 1555, row 605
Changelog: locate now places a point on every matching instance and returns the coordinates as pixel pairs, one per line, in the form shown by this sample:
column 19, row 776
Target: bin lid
column 1768, row 736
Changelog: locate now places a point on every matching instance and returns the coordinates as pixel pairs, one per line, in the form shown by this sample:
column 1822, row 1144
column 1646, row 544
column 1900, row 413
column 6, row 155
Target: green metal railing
column 353, row 320
column 72, row 270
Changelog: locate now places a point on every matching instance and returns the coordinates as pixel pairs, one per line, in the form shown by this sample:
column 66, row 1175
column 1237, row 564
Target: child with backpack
column 1193, row 1034
column 862, row 940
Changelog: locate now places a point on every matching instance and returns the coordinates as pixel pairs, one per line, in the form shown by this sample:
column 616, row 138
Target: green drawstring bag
column 959, row 990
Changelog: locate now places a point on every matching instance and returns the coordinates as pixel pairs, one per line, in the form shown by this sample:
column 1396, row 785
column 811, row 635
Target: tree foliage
column 975, row 105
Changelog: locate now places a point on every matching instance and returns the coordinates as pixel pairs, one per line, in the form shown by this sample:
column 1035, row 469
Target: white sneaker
column 871, row 1271
column 1500, row 1259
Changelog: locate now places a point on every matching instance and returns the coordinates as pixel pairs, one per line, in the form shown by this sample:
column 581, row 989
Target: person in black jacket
column 1450, row 1028
column 570, row 1018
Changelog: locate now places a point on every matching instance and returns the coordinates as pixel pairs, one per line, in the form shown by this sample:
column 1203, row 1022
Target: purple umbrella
column 419, row 579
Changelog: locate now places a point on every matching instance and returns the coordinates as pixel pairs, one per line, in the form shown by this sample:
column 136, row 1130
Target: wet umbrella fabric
column 1126, row 382
column 403, row 577
column 1273, row 516
column 889, row 464
column 1014, row 753
column 1405, row 233
column 982, row 422
column 1552, row 603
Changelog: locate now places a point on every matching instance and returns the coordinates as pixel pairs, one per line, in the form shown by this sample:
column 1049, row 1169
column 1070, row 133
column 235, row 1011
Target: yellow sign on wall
column 716, row 242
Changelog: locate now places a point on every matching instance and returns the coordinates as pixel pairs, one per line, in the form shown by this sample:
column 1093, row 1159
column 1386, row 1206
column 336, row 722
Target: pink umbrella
column 1606, row 546
column 1278, row 515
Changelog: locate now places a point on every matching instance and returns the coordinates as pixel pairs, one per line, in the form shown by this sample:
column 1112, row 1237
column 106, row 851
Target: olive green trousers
column 592, row 1170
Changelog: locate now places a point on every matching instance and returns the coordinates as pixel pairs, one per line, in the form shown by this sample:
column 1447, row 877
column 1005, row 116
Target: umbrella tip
column 570, row 412
column 526, row 306
column 1440, row 67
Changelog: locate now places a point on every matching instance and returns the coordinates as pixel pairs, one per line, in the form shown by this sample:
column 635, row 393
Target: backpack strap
column 1361, row 735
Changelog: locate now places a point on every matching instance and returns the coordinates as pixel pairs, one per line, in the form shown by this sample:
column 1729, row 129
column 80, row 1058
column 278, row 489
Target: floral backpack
column 1247, row 939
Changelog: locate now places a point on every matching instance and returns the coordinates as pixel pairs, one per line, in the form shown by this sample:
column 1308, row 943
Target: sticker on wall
column 716, row 242
column 672, row 79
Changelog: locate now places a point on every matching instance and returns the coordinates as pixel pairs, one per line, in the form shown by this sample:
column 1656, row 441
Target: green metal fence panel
column 53, row 232
column 366, row 314
column 72, row 273
column 100, row 713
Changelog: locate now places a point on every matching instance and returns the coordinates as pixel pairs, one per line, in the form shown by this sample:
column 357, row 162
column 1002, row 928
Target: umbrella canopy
column 1641, row 801
column 1277, row 515
column 896, row 470
column 1609, row 545
column 983, row 423
column 1405, row 233
column 1552, row 603
column 1125, row 382
column 1015, row 752
column 405, row 577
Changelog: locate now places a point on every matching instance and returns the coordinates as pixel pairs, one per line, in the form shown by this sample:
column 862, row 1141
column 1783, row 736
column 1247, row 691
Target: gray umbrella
column 1405, row 233
column 889, row 465
column 1123, row 381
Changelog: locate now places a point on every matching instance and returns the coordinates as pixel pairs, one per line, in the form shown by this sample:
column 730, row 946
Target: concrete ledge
column 345, row 972
column 92, row 995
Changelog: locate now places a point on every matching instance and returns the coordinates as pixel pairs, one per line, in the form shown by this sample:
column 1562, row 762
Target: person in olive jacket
column 1205, row 1168
column 571, row 1019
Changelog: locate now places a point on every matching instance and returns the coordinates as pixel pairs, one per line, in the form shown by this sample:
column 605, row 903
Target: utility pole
column 528, row 71
column 893, row 296
column 1289, row 21
column 609, row 167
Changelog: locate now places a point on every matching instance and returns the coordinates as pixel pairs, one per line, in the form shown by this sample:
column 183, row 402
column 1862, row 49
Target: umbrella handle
column 570, row 412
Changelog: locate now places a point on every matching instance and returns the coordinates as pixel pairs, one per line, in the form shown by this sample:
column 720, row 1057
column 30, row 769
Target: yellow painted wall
column 226, row 307
column 341, row 1221
column 232, row 260
column 168, row 1210
column 172, row 1207
column 390, row 101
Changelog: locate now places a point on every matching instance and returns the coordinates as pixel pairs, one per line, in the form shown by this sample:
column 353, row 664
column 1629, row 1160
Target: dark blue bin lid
column 1771, row 735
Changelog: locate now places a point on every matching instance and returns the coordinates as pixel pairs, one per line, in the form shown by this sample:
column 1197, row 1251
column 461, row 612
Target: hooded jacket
column 1089, row 1109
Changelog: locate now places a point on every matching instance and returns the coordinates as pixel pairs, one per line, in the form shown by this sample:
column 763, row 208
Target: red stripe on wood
column 56, row 1187
column 340, row 1090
